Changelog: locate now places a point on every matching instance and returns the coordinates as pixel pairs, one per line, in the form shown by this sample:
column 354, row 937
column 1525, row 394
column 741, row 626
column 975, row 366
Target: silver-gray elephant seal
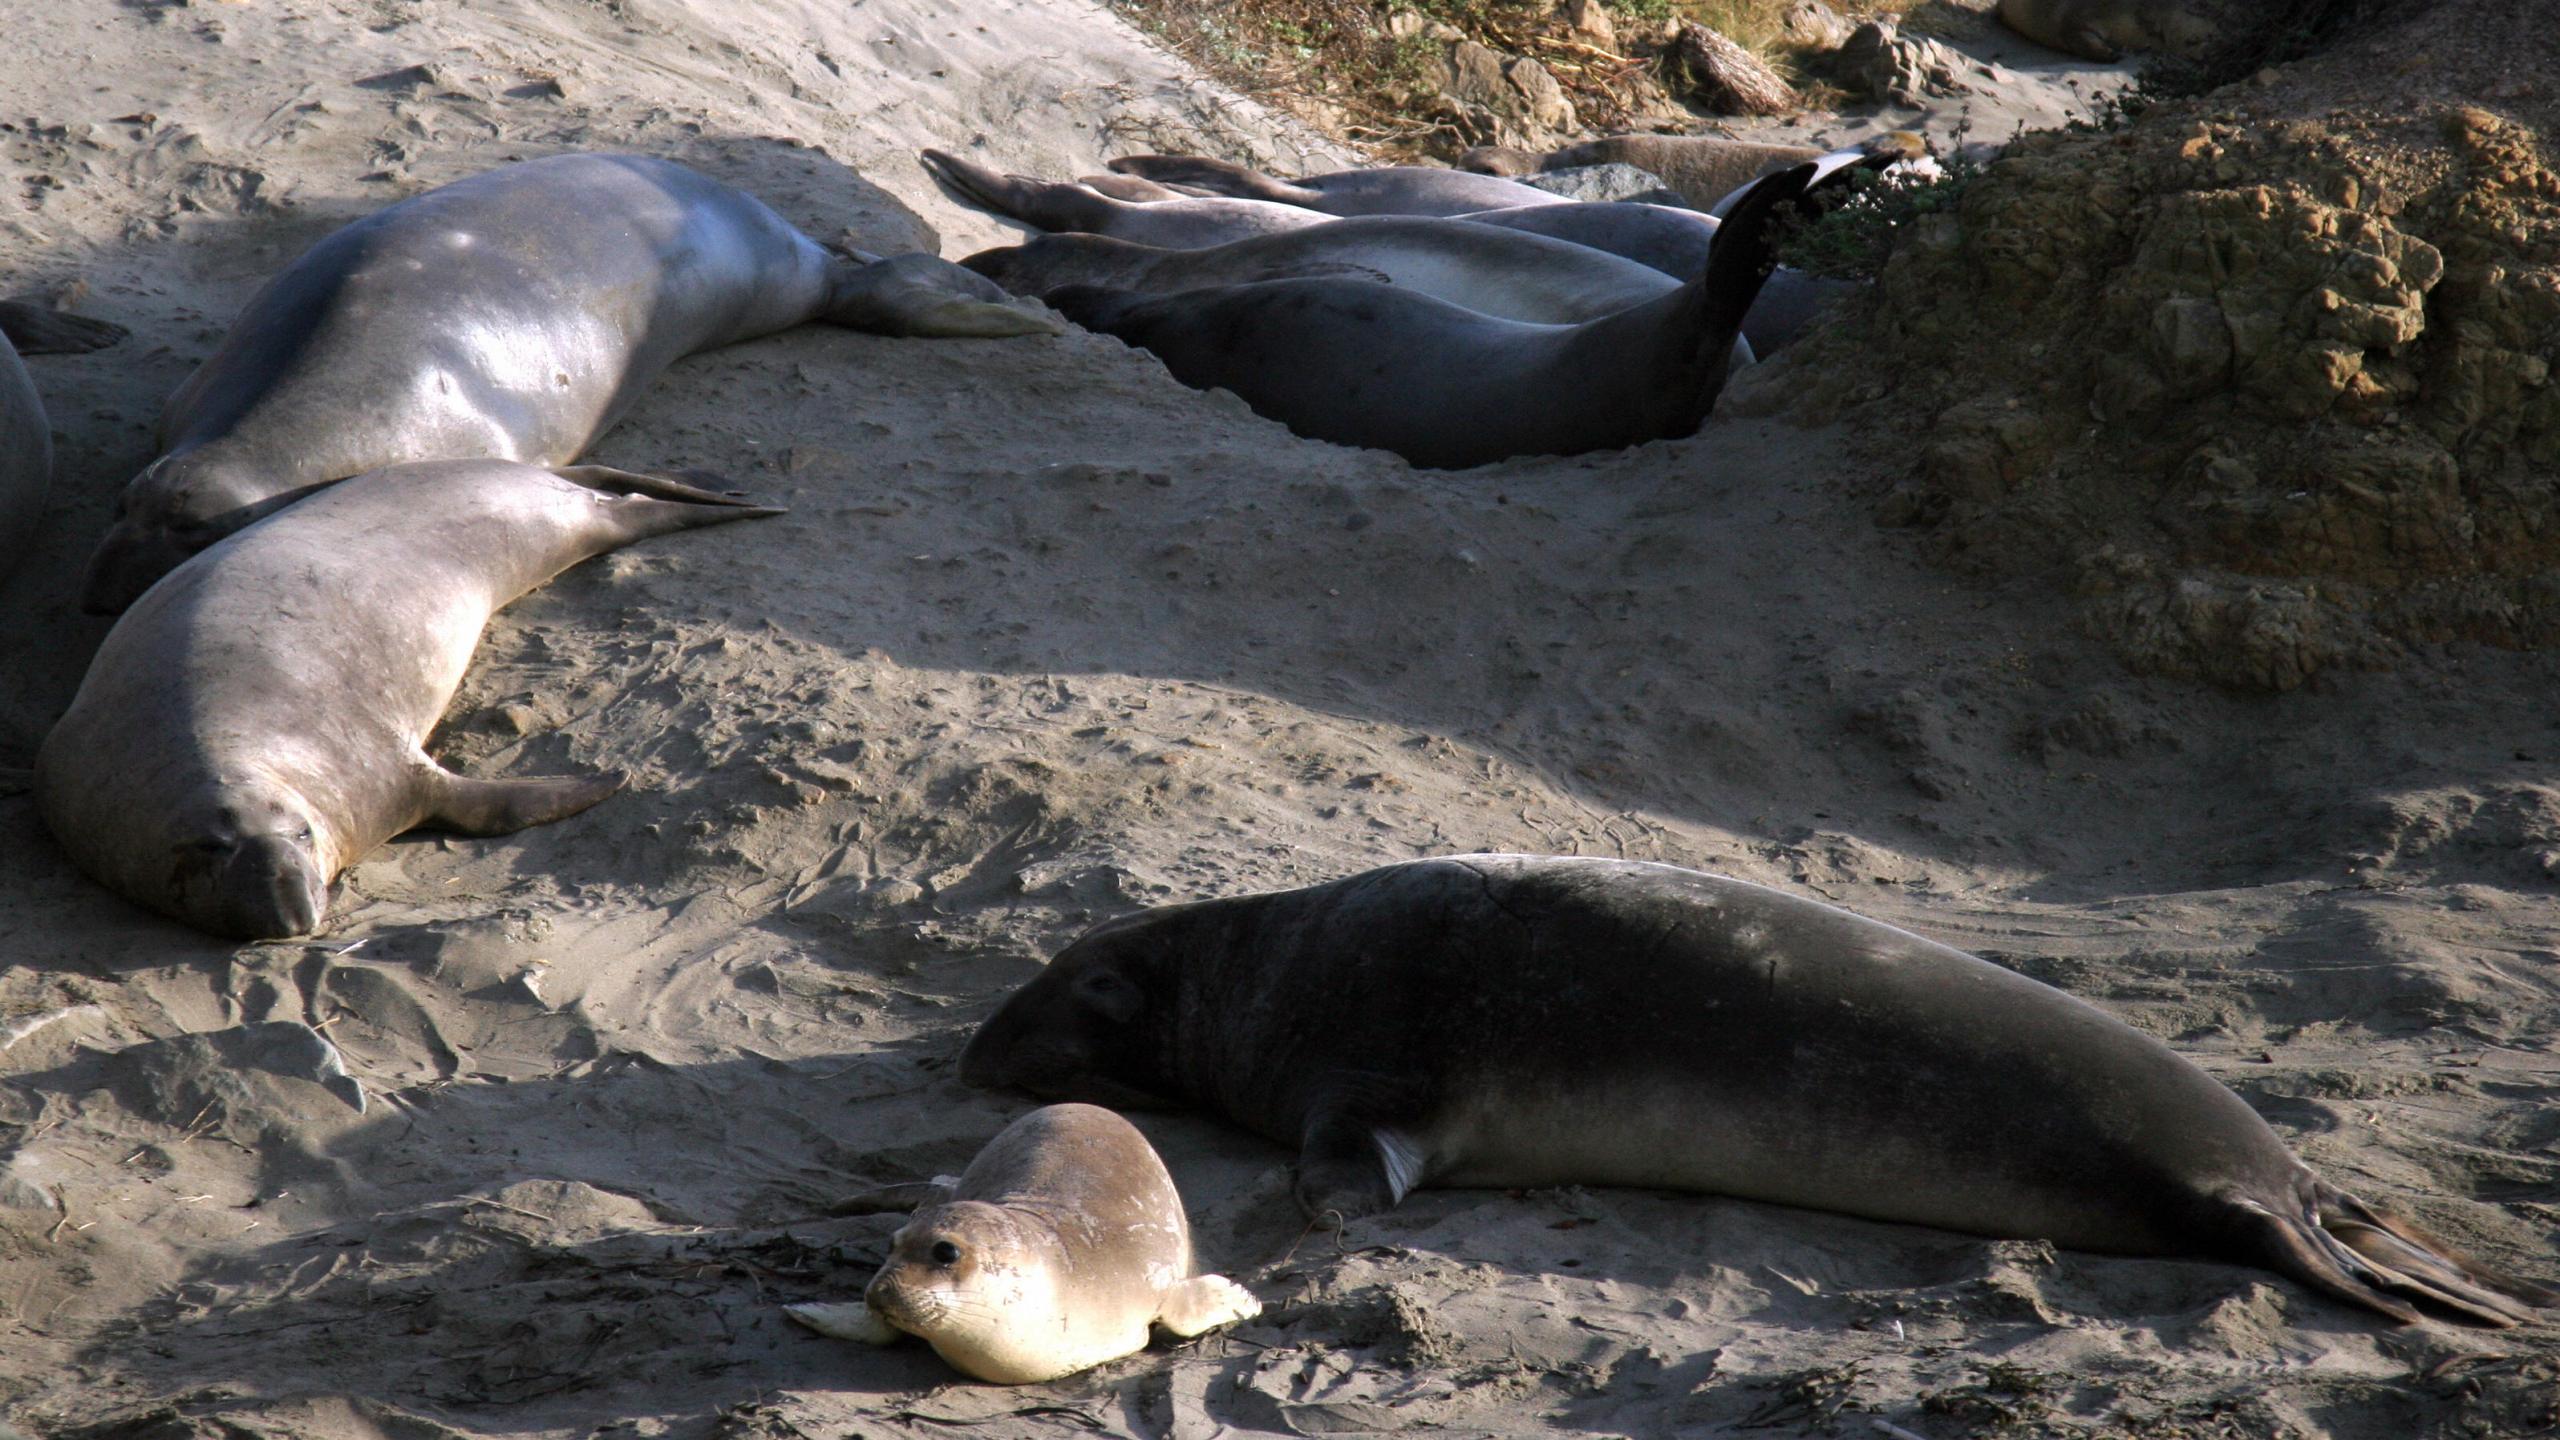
column 26, row 436
column 257, row 722
column 1508, row 1020
column 1059, row 1248
column 516, row 314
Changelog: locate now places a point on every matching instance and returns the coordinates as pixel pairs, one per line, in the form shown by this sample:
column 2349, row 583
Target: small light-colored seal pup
column 1056, row 1250
column 1385, row 190
column 2105, row 29
column 517, row 313
column 1513, row 1020
column 1181, row 223
column 256, row 722
column 1359, row 363
column 26, row 438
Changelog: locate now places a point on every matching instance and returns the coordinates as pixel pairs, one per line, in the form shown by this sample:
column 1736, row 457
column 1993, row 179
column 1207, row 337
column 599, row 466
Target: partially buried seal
column 1056, row 1250
column 26, row 438
column 256, row 723
column 1508, row 1020
column 1359, row 363
column 517, row 313
column 1383, row 190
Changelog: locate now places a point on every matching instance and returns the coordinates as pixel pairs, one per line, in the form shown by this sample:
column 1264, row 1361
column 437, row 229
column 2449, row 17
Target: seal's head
column 179, row 504
column 1091, row 1026
column 248, row 865
column 977, row 1283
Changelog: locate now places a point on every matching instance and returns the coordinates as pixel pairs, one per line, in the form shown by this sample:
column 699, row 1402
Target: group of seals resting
column 256, row 722
column 1057, row 1249
column 1503, row 1020
column 515, row 314
column 1359, row 363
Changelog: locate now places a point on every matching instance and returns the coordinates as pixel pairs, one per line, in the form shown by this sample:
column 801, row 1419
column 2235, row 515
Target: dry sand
column 1046, row 637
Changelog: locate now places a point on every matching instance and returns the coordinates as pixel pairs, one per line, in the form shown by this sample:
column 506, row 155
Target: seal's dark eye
column 945, row 1253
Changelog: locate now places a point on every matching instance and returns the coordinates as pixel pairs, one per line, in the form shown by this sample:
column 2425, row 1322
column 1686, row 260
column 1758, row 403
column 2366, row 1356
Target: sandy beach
column 1046, row 637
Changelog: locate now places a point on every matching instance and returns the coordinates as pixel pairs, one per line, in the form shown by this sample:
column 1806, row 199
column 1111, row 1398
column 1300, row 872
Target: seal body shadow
column 257, row 722
column 26, row 437
column 1359, row 363
column 516, row 314
column 1056, row 1250
column 1506, row 1020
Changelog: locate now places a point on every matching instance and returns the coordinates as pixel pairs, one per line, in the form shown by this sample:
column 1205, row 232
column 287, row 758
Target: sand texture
column 1045, row 637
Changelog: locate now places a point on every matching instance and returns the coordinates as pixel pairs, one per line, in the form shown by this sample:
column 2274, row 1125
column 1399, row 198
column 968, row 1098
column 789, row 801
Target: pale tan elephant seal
column 257, row 722
column 2106, row 29
column 1056, row 1250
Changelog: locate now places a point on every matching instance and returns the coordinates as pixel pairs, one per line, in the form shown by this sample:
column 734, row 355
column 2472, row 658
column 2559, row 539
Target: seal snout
column 269, row 888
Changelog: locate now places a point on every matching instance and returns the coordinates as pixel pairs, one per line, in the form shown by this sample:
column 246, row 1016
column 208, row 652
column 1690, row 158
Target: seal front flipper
column 846, row 1321
column 1202, row 1304
column 929, row 296
column 1218, row 177
column 897, row 1199
column 1350, row 1167
column 35, row 329
column 502, row 807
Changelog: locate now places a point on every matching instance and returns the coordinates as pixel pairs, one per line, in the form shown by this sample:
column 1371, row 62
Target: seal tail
column 1217, row 177
column 646, row 505
column 2343, row 1247
column 1047, row 204
column 1745, row 250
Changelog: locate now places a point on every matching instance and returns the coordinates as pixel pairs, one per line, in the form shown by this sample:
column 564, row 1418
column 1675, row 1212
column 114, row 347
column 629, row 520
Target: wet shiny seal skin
column 255, row 724
column 1056, row 1250
column 1509, row 1020
column 516, row 314
column 1383, row 190
column 26, row 438
column 1359, row 363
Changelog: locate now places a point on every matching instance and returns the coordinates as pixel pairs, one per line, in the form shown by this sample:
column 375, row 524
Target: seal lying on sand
column 254, row 725
column 2106, row 29
column 1508, row 1020
column 1385, row 190
column 26, row 438
column 1359, row 363
column 1179, row 224
column 518, row 313
column 1054, row 1251
column 1493, row 271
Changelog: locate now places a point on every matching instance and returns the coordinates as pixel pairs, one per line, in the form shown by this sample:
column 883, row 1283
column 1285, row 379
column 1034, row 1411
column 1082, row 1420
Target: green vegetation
column 1854, row 238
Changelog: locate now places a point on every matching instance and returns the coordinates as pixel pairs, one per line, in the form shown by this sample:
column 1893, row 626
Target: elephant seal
column 1386, row 190
column 1359, row 363
column 1179, row 224
column 26, row 437
column 2105, row 29
column 1509, row 161
column 1510, row 274
column 1703, row 168
column 517, row 313
column 1512, row 1020
column 255, row 723
column 1056, row 1250
column 1898, row 150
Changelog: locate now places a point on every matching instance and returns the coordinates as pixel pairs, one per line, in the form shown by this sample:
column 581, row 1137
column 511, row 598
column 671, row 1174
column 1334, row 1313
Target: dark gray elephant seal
column 26, row 437
column 1509, row 1020
column 1055, row 205
column 1510, row 274
column 1059, row 1247
column 255, row 723
column 1359, row 363
column 1385, row 190
column 517, row 313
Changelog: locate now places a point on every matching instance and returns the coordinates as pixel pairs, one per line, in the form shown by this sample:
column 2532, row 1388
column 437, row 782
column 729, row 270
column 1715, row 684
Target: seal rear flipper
column 1202, row 1304
column 35, row 329
column 897, row 1199
column 840, row 1321
column 926, row 295
column 2332, row 1247
column 1045, row 203
column 2434, row 1269
column 502, row 807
